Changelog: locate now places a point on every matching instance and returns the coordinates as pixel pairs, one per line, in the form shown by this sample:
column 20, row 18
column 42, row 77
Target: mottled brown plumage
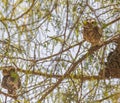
column 92, row 32
column 113, row 60
column 11, row 80
column 112, row 68
column 108, row 72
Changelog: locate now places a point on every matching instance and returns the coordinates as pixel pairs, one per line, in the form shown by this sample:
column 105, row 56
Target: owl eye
column 93, row 21
column 5, row 72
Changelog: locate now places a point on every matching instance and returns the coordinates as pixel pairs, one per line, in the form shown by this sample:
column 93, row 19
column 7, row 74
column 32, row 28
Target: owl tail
column 12, row 92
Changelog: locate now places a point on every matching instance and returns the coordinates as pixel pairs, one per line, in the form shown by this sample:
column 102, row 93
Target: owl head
column 6, row 71
column 90, row 22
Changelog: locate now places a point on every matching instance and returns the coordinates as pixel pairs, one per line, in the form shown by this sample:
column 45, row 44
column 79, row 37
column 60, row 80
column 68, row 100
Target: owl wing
column 4, row 82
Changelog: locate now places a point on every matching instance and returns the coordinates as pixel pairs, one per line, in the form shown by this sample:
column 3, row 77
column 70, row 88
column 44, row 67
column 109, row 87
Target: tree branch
column 74, row 65
column 111, row 22
column 21, row 14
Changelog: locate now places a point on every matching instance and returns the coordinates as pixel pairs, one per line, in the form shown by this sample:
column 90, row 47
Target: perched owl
column 112, row 68
column 92, row 32
column 113, row 59
column 11, row 80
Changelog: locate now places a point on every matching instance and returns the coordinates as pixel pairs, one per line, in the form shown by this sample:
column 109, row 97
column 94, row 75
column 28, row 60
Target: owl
column 11, row 80
column 112, row 67
column 113, row 59
column 92, row 32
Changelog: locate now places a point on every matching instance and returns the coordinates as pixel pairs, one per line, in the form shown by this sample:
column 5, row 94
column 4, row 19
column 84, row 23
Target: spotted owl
column 112, row 68
column 11, row 80
column 92, row 32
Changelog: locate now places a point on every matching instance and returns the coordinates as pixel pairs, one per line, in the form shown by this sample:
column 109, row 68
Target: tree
column 43, row 41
